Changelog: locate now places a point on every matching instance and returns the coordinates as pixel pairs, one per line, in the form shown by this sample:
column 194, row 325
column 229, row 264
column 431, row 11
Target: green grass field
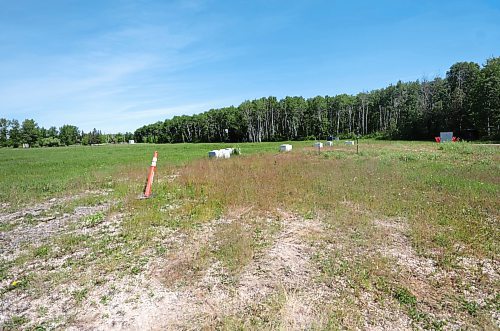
column 34, row 174
column 401, row 235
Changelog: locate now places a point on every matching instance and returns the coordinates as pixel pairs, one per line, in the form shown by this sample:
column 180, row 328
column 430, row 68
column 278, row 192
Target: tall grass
column 449, row 192
column 448, row 199
column 28, row 175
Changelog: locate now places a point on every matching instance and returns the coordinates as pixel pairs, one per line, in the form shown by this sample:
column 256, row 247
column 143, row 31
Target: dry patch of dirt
column 170, row 301
column 157, row 298
column 308, row 274
column 437, row 289
column 285, row 265
column 35, row 257
column 34, row 225
column 459, row 295
column 397, row 245
column 279, row 287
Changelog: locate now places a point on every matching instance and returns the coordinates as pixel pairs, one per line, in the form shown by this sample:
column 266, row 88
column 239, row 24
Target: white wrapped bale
column 318, row 144
column 329, row 143
column 349, row 142
column 285, row 148
column 214, row 154
column 224, row 153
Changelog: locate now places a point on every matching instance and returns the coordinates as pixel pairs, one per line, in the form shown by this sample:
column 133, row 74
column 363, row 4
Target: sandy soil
column 282, row 284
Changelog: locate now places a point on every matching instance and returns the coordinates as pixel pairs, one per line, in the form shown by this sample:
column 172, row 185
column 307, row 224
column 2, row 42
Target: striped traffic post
column 151, row 175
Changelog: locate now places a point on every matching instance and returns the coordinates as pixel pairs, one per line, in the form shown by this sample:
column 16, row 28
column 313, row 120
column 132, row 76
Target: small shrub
column 21, row 283
column 42, row 251
column 405, row 297
column 408, row 157
column 15, row 322
column 105, row 299
column 80, row 295
column 135, row 270
column 470, row 307
column 94, row 220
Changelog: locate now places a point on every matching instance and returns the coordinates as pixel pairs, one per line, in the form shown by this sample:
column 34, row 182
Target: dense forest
column 466, row 101
column 14, row 134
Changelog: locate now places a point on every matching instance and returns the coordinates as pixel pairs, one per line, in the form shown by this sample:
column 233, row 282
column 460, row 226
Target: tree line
column 466, row 101
column 15, row 134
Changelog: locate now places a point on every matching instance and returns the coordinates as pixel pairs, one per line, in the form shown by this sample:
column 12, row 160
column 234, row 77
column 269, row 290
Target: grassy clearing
column 450, row 199
column 30, row 175
column 409, row 233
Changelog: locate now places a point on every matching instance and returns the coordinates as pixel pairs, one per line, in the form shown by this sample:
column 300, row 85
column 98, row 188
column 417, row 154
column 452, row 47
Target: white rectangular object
column 318, row 145
column 131, row 142
column 349, row 142
column 285, row 148
column 446, row 137
column 224, row 153
column 215, row 153
column 329, row 143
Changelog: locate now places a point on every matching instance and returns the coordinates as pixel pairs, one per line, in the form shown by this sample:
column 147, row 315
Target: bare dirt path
column 31, row 260
column 282, row 272
column 32, row 225
column 310, row 274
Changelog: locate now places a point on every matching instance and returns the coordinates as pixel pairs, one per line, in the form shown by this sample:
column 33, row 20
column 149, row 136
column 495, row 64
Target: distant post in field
column 319, row 145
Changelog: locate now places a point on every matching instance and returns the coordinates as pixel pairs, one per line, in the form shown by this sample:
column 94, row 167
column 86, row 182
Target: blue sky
column 117, row 65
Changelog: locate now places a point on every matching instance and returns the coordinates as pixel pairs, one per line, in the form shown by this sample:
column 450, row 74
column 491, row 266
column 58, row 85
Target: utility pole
column 357, row 143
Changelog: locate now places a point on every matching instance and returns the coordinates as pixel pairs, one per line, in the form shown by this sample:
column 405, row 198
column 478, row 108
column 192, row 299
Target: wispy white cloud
column 117, row 65
column 138, row 70
column 75, row 78
column 128, row 68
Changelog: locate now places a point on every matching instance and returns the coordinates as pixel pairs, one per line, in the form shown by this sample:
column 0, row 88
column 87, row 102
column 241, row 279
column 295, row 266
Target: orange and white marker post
column 151, row 176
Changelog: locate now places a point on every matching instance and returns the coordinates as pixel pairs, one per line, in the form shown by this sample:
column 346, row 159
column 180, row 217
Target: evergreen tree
column 14, row 134
column 4, row 132
column 29, row 132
